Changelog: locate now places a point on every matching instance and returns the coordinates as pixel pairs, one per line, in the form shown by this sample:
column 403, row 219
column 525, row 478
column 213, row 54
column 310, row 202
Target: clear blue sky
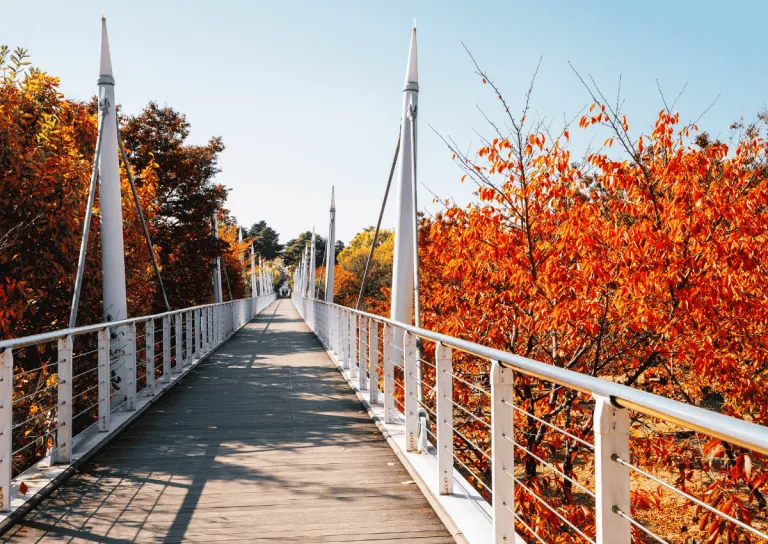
column 307, row 94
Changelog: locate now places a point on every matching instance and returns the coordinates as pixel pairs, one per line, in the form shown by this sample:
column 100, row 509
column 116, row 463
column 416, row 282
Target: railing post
column 64, row 402
column 189, row 337
column 336, row 322
column 411, row 405
column 130, row 363
column 166, row 377
column 105, row 381
column 6, row 428
column 344, row 340
column 353, row 359
column 389, row 375
column 502, row 452
column 217, row 324
column 444, row 425
column 179, row 353
column 363, row 352
column 198, row 335
column 611, row 426
column 373, row 362
column 204, row 329
column 149, row 368
column 210, row 328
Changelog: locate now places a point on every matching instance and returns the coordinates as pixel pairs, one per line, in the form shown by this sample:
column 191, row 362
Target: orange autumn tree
column 644, row 264
column 47, row 145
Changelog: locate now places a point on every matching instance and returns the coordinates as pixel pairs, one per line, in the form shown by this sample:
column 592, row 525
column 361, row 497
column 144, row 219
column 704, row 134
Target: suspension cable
column 87, row 224
column 378, row 223
column 141, row 215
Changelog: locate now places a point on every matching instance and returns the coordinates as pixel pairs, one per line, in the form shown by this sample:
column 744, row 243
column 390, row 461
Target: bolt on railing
column 457, row 430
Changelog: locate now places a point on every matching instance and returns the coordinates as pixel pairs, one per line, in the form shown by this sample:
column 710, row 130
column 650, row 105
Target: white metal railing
column 416, row 379
column 57, row 386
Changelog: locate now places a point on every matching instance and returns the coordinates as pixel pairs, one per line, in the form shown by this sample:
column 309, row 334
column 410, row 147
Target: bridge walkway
column 263, row 442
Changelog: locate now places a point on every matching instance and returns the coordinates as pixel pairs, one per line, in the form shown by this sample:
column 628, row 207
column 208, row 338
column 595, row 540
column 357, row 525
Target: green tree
column 265, row 240
column 186, row 198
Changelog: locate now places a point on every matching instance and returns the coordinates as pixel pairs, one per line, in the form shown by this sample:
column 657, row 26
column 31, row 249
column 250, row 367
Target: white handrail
column 188, row 334
column 611, row 421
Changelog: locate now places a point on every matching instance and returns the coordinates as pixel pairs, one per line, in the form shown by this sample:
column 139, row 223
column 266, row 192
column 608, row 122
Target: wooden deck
column 263, row 442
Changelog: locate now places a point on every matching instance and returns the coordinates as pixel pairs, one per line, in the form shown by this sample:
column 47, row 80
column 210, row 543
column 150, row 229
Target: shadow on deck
column 263, row 442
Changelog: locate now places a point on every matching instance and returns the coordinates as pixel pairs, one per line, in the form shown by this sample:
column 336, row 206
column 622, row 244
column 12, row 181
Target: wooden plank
column 264, row 442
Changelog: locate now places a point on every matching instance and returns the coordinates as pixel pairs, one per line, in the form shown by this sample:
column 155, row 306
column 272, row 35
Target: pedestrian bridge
column 277, row 420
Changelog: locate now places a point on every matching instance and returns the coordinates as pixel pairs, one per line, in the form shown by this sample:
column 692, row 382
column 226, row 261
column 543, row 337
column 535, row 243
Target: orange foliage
column 646, row 268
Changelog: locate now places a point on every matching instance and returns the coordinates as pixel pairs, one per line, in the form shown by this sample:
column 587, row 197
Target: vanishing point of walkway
column 263, row 442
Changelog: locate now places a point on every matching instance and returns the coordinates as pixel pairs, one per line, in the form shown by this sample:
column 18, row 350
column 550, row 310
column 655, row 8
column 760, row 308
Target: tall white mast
column 254, row 290
column 402, row 272
column 312, row 266
column 330, row 250
column 216, row 263
column 112, row 249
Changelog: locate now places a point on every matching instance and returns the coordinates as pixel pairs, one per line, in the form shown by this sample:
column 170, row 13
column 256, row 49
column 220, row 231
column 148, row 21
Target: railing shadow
column 265, row 424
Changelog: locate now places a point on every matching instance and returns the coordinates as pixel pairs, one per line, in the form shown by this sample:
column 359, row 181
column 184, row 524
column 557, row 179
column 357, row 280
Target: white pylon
column 217, row 293
column 402, row 271
column 305, row 271
column 112, row 249
column 262, row 283
column 312, row 266
column 254, row 289
column 330, row 250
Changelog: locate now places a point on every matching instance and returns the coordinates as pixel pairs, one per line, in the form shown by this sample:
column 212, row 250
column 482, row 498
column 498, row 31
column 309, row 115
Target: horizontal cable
column 42, row 413
column 116, row 408
column 91, row 407
column 474, row 445
column 430, row 433
column 549, row 507
column 396, row 347
column 550, row 425
column 37, row 392
column 426, row 362
column 84, row 392
column 423, row 405
column 469, row 384
column 557, row 471
column 618, row 512
column 38, row 369
column 47, row 434
column 86, row 353
column 76, row 376
column 691, row 498
column 523, row 523
column 394, row 363
column 429, row 387
column 472, row 474
column 470, row 414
